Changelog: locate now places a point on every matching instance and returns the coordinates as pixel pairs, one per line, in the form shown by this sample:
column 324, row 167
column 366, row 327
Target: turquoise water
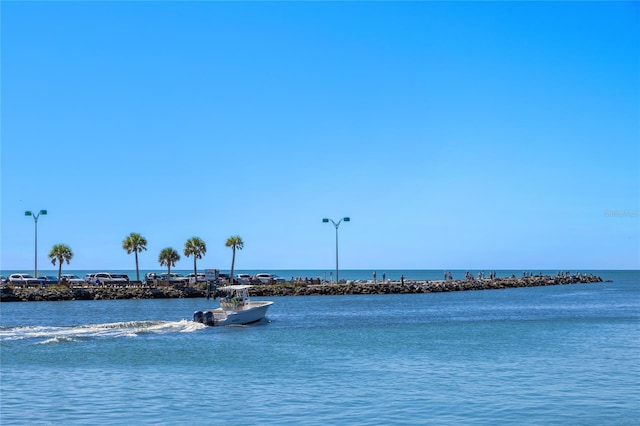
column 544, row 355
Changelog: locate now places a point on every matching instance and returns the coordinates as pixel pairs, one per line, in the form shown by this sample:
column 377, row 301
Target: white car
column 199, row 278
column 268, row 278
column 243, row 278
column 264, row 278
column 108, row 278
column 175, row 278
column 73, row 279
column 23, row 279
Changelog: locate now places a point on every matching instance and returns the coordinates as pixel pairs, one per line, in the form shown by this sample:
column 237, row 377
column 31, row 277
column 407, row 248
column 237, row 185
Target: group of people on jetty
column 525, row 274
column 469, row 276
column 448, row 276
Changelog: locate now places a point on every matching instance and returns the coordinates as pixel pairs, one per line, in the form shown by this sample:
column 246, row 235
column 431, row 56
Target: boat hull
column 250, row 313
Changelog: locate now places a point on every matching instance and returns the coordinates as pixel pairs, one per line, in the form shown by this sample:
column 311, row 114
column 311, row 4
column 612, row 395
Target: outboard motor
column 208, row 318
column 198, row 316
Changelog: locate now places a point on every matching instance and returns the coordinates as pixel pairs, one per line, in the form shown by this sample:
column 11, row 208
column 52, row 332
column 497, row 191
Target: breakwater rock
column 397, row 287
column 18, row 294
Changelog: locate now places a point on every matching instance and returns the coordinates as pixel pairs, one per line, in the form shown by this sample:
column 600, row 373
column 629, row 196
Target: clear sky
column 485, row 135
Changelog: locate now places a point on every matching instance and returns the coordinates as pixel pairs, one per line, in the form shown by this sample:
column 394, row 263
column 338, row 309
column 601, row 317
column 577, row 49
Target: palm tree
column 135, row 243
column 196, row 247
column 60, row 253
column 168, row 257
column 234, row 242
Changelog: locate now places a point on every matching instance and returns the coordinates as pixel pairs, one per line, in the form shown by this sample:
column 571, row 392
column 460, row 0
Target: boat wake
column 52, row 335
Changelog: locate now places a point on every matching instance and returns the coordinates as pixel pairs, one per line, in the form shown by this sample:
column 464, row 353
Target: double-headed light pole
column 325, row 220
column 35, row 220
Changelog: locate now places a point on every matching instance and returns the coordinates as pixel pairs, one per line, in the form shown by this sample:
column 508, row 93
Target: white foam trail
column 58, row 339
column 108, row 330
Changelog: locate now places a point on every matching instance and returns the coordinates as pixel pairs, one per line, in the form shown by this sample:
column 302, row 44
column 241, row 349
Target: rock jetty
column 36, row 294
column 9, row 293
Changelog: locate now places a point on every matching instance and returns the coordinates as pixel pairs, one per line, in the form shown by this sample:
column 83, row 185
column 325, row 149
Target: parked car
column 265, row 278
column 88, row 278
column 243, row 278
column 72, row 279
column 48, row 279
column 200, row 277
column 108, row 278
column 123, row 276
column 23, row 279
column 175, row 278
column 149, row 277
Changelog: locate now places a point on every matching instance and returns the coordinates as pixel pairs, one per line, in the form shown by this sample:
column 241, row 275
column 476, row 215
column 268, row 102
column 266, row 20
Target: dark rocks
column 18, row 294
column 396, row 287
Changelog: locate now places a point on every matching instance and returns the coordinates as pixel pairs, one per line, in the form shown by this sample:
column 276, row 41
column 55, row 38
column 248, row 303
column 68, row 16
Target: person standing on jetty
column 374, row 277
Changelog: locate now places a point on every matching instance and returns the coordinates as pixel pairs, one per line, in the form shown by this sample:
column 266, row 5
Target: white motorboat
column 236, row 308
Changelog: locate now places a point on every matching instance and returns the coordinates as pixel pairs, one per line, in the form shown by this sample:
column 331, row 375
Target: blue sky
column 455, row 135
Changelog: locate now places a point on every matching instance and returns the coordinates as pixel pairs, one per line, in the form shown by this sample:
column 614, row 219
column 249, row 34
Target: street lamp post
column 35, row 221
column 325, row 220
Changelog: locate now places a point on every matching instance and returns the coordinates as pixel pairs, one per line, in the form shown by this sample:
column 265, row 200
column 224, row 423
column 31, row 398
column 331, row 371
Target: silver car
column 108, row 278
column 72, row 278
column 243, row 278
column 199, row 278
column 23, row 279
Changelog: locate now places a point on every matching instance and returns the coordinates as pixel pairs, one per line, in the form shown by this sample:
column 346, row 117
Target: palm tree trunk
column 59, row 271
column 137, row 271
column 195, row 270
column 233, row 262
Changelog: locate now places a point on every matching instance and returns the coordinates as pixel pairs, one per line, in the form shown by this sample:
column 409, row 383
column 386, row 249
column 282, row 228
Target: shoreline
column 139, row 291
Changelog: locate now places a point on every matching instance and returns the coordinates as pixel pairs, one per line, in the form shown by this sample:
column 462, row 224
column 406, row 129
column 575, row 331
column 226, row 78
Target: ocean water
column 545, row 355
